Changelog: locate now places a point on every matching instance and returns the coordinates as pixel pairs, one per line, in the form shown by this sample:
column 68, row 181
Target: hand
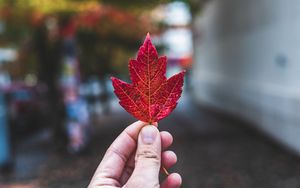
column 135, row 158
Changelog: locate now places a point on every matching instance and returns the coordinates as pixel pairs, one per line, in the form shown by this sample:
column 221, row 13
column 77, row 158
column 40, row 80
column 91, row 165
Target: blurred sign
column 4, row 134
column 7, row 54
column 178, row 37
column 177, row 14
column 178, row 42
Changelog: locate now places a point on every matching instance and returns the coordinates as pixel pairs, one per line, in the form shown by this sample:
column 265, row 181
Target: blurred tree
column 15, row 32
column 107, row 38
column 47, row 44
column 107, row 33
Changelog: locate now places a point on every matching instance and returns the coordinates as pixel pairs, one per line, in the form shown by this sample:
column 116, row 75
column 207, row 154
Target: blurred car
column 27, row 107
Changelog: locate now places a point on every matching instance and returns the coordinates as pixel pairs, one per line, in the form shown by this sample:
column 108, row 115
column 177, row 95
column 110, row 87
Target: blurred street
column 236, row 124
column 214, row 150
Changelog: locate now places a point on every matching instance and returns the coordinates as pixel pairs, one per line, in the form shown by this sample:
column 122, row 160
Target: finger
column 168, row 159
column 134, row 129
column 128, row 169
column 172, row 181
column 148, row 158
column 166, row 139
column 115, row 158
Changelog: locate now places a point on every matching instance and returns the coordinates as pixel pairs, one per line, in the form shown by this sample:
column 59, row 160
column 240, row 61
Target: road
column 214, row 150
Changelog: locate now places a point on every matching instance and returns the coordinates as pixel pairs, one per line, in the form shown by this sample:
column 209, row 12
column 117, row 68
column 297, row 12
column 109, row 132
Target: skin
column 134, row 160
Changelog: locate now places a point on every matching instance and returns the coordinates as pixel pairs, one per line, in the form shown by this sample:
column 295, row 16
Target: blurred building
column 247, row 63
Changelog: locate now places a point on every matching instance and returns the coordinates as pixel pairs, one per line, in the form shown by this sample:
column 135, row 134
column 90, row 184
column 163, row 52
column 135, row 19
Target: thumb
column 147, row 159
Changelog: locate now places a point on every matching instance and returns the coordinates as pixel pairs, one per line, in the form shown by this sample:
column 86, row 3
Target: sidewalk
column 213, row 151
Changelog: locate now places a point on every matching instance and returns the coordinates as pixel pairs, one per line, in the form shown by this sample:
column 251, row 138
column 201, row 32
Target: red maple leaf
column 151, row 96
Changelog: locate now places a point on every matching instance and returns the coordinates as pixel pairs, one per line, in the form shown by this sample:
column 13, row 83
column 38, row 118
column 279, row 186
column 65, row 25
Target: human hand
column 135, row 158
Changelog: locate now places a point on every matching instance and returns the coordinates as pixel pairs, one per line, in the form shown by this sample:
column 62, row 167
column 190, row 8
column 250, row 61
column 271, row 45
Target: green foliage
column 101, row 55
column 134, row 4
column 104, row 47
column 16, row 26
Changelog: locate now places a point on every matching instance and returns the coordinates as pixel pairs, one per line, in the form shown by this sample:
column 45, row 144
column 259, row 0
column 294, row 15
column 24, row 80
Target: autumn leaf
column 151, row 96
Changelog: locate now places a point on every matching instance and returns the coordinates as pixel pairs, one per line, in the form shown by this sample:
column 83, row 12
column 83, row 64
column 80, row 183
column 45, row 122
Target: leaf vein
column 139, row 75
column 175, row 85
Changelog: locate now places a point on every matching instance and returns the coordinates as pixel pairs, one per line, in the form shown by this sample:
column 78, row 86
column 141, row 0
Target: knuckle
column 148, row 153
column 139, row 182
column 113, row 151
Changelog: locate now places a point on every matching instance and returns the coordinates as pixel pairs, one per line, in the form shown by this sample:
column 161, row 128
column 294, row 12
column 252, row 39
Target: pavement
column 214, row 150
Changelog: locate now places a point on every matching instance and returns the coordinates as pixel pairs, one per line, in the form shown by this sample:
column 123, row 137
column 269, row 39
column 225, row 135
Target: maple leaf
column 151, row 96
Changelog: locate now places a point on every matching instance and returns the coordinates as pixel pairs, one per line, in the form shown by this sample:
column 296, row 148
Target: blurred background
column 236, row 125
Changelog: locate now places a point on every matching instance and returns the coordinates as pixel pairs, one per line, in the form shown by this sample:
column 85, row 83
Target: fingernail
column 148, row 134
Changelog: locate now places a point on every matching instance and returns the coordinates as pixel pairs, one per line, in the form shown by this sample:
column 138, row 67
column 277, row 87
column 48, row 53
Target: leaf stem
column 165, row 171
